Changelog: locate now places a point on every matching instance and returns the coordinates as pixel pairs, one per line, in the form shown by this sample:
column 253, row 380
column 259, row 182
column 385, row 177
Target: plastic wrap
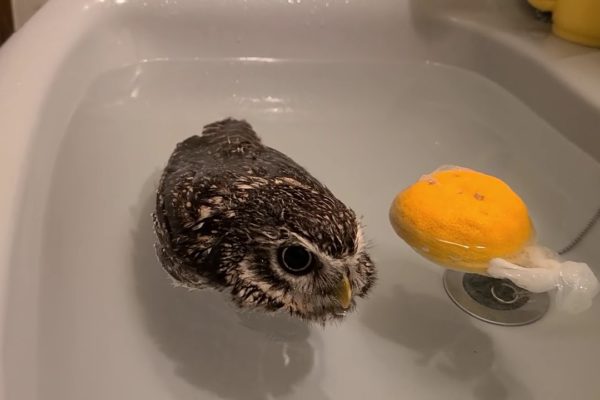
column 541, row 270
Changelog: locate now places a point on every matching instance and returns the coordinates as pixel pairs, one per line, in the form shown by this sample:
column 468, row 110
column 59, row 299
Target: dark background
column 6, row 21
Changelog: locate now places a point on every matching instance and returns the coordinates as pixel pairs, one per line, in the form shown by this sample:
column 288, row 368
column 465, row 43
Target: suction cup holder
column 496, row 301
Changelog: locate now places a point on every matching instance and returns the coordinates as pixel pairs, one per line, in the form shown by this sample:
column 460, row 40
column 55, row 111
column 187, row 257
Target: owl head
column 292, row 247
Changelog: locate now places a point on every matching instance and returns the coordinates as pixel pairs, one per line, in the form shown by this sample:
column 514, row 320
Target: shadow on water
column 215, row 347
column 443, row 339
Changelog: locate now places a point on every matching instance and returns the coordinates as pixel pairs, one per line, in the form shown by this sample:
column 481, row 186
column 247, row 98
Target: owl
column 235, row 215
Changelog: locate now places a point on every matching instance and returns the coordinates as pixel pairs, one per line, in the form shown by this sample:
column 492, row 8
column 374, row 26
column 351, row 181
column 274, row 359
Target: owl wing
column 190, row 219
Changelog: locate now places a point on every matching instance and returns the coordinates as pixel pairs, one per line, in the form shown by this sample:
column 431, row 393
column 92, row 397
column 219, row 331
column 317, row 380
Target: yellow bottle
column 577, row 21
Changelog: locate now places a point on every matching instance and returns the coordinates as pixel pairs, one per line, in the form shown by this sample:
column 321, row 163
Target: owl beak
column 344, row 293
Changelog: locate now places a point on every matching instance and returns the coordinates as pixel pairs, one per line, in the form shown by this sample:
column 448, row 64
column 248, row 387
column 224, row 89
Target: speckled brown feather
column 226, row 202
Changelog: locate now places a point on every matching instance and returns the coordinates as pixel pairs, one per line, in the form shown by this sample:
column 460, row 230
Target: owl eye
column 296, row 260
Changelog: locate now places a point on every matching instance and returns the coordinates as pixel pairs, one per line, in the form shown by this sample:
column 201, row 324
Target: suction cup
column 496, row 301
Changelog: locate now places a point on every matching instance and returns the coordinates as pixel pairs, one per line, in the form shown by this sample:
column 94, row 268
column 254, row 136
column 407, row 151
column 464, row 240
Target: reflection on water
column 443, row 338
column 234, row 354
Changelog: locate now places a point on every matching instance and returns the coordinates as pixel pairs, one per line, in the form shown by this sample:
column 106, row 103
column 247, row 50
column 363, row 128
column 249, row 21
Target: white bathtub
column 367, row 95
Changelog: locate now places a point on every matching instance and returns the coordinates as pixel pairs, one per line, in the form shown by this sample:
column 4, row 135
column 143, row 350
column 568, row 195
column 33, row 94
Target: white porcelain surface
column 367, row 95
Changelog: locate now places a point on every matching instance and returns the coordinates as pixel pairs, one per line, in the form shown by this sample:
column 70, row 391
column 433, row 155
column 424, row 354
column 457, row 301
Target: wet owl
column 235, row 215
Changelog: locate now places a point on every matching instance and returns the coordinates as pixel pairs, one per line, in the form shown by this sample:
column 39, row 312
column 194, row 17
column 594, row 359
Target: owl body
column 243, row 218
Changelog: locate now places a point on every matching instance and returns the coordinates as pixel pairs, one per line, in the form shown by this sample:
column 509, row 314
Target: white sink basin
column 368, row 96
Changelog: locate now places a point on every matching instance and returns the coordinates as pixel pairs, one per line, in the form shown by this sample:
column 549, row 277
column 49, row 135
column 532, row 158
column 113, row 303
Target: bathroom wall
column 24, row 9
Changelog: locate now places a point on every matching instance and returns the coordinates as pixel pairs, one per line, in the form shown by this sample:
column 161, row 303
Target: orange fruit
column 461, row 219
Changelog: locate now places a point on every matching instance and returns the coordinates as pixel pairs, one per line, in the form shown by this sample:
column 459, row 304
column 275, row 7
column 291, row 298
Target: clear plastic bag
column 541, row 270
